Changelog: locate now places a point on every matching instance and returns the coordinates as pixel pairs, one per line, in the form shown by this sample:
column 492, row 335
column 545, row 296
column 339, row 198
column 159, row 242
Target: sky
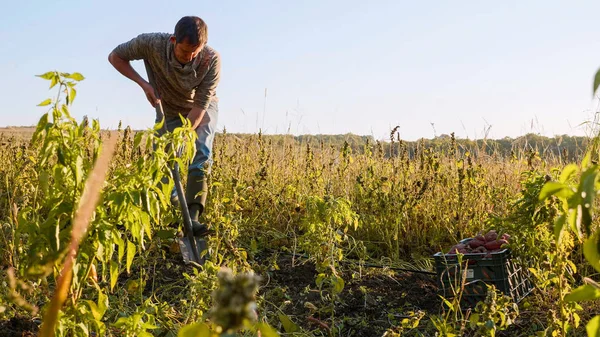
column 476, row 68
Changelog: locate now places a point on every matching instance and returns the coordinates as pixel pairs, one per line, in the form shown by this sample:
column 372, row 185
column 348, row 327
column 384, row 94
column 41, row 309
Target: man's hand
column 195, row 116
column 149, row 92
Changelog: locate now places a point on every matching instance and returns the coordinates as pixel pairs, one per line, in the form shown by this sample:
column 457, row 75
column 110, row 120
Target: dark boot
column 196, row 192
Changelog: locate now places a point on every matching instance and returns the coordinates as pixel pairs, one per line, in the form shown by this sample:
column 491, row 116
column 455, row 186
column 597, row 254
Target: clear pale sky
column 328, row 66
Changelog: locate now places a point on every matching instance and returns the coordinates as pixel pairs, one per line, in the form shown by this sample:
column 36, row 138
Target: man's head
column 190, row 37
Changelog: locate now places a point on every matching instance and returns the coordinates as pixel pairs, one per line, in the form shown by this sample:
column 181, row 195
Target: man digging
column 186, row 73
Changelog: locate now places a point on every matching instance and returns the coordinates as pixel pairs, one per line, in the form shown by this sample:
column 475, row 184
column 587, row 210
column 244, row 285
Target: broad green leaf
column 102, row 302
column 65, row 110
column 130, row 254
column 194, row 330
column 593, row 327
column 145, row 219
column 554, row 188
column 591, row 250
column 114, row 274
column 72, row 94
column 596, row 82
column 45, row 102
column 338, row 284
column 287, row 323
column 149, row 326
column 76, row 77
column 473, row 320
column 94, row 309
column 53, row 82
column 266, row 330
column 121, row 247
column 122, row 321
column 502, row 318
column 40, row 126
column 573, row 219
column 44, row 181
column 568, row 172
column 47, row 76
column 159, row 125
column 83, row 329
column 319, row 280
column 584, row 293
column 587, row 189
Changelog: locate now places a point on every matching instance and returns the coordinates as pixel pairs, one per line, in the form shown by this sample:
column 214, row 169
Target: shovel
column 191, row 246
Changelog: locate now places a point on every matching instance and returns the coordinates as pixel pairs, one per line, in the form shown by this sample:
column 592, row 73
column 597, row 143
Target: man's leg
column 197, row 187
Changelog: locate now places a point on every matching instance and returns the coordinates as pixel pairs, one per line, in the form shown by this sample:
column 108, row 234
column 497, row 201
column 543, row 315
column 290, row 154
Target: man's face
column 185, row 52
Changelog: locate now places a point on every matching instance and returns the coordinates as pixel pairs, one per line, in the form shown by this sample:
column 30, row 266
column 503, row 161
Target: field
column 337, row 237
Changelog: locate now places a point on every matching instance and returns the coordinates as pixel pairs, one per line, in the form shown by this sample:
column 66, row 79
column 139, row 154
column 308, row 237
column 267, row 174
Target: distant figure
column 186, row 73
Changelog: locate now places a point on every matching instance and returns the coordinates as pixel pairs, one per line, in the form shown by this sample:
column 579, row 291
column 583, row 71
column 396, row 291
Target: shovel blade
column 186, row 250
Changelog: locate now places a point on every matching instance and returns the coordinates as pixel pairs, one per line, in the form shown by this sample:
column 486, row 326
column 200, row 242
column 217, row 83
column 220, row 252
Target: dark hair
column 191, row 28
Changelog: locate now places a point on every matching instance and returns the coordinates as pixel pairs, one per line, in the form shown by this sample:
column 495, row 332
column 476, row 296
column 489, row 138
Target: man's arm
column 195, row 116
column 136, row 49
column 205, row 91
column 125, row 68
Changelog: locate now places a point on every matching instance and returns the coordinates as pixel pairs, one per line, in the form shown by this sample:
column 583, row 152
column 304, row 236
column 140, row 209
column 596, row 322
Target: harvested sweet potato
column 491, row 236
column 458, row 248
column 493, row 245
column 505, row 237
column 476, row 243
column 480, row 249
column 480, row 237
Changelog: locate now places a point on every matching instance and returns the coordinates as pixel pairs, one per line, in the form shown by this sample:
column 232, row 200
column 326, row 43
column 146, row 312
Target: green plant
column 496, row 313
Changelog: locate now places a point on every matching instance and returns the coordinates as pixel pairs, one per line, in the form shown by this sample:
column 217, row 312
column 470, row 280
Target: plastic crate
column 481, row 268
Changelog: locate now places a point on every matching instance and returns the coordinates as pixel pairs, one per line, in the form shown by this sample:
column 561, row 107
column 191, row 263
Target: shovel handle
column 187, row 220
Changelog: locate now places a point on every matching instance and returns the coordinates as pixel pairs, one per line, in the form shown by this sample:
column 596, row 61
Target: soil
column 18, row 327
column 368, row 305
column 372, row 301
